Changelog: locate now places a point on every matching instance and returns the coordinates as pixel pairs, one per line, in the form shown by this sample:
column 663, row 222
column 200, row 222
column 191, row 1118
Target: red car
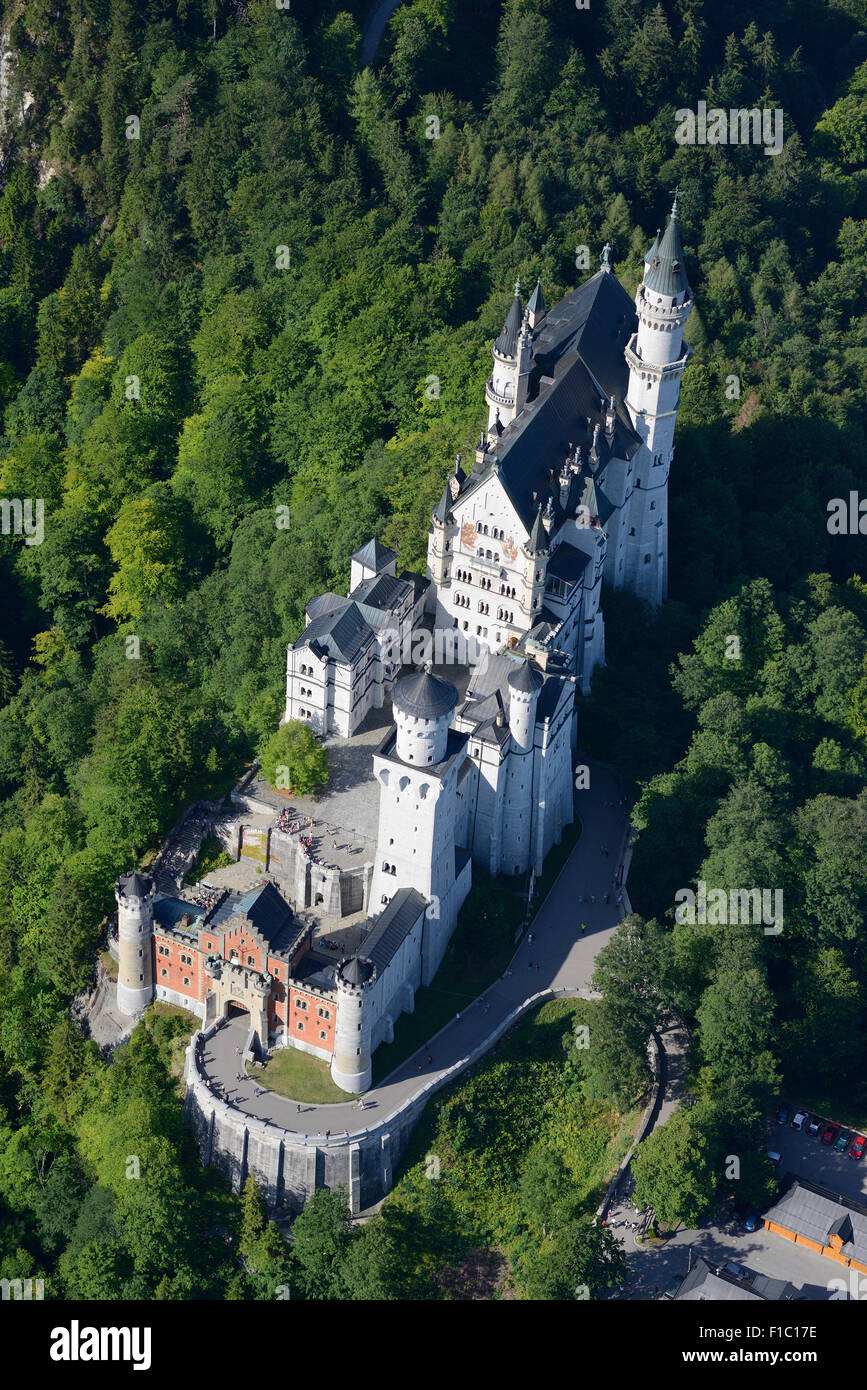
column 857, row 1149
column 829, row 1134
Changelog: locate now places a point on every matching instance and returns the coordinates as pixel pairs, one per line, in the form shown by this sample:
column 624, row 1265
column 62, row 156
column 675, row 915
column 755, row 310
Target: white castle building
column 569, row 486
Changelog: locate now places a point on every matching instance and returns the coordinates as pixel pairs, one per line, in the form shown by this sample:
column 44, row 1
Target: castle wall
column 289, row 1167
column 337, row 892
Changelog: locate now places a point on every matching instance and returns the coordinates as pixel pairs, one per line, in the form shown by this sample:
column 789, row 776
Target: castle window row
column 505, row 616
column 389, row 869
column 486, row 555
column 496, row 534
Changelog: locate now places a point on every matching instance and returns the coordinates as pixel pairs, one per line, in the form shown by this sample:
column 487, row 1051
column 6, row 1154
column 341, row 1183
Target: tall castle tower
column 524, row 686
column 135, row 895
column 656, row 355
column 418, row 774
column 506, row 387
column 351, row 1062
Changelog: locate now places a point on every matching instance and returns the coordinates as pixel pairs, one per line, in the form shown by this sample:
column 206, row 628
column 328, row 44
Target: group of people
column 204, row 899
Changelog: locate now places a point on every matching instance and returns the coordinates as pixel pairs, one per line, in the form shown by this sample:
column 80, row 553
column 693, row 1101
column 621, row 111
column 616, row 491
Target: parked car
column 752, row 1220
column 844, row 1140
column 829, row 1134
column 783, row 1115
column 815, row 1125
column 673, row 1285
column 799, row 1119
column 857, row 1149
column 774, row 1156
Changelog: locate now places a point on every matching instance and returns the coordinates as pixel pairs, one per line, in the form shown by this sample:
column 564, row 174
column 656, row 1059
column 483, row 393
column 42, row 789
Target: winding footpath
column 559, row 959
column 374, row 28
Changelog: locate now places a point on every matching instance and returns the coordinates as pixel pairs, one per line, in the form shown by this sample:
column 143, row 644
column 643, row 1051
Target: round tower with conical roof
column 351, row 1060
column 423, row 707
column 525, row 683
column 135, row 893
column 524, row 686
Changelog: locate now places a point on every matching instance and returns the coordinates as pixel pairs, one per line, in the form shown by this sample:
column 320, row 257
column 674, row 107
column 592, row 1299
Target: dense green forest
column 231, row 320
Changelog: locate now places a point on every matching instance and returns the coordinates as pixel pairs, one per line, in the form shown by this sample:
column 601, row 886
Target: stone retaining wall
column 289, row 1167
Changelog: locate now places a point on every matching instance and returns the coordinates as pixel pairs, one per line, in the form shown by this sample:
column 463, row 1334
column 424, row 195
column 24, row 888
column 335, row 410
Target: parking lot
column 803, row 1155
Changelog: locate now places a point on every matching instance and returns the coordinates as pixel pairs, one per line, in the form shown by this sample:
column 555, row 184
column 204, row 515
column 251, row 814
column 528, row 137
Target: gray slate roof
column 382, row 591
column 567, row 563
column 169, row 911
column 424, row 696
column 342, row 634
column 135, row 884
column 706, row 1283
column 492, row 674
column 578, row 366
column 374, row 556
column 392, row 927
column 356, row 971
column 536, row 302
column 666, row 268
column 526, row 678
column 508, row 340
column 441, row 510
column 814, row 1211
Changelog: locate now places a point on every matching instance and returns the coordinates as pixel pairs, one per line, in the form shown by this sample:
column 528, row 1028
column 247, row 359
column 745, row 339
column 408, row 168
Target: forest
column 232, row 264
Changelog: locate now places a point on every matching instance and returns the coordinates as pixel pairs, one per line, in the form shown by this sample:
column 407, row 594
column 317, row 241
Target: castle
column 569, row 486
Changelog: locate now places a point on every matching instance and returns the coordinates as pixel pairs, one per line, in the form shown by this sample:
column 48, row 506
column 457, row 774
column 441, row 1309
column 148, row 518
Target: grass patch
column 298, row 1076
column 211, row 856
column 108, row 963
column 477, row 955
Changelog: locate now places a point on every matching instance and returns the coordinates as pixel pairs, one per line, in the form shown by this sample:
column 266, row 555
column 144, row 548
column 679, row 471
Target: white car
column 799, row 1119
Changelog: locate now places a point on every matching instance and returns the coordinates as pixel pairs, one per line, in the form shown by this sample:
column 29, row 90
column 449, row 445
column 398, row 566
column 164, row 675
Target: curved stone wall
column 289, row 1167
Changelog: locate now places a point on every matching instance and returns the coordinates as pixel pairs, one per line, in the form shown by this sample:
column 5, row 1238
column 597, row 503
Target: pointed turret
column 507, row 342
column 441, row 510
column 538, row 541
column 666, row 269
column 536, row 311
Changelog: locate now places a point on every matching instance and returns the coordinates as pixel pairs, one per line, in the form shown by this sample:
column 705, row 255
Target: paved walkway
column 559, row 957
column 374, row 29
